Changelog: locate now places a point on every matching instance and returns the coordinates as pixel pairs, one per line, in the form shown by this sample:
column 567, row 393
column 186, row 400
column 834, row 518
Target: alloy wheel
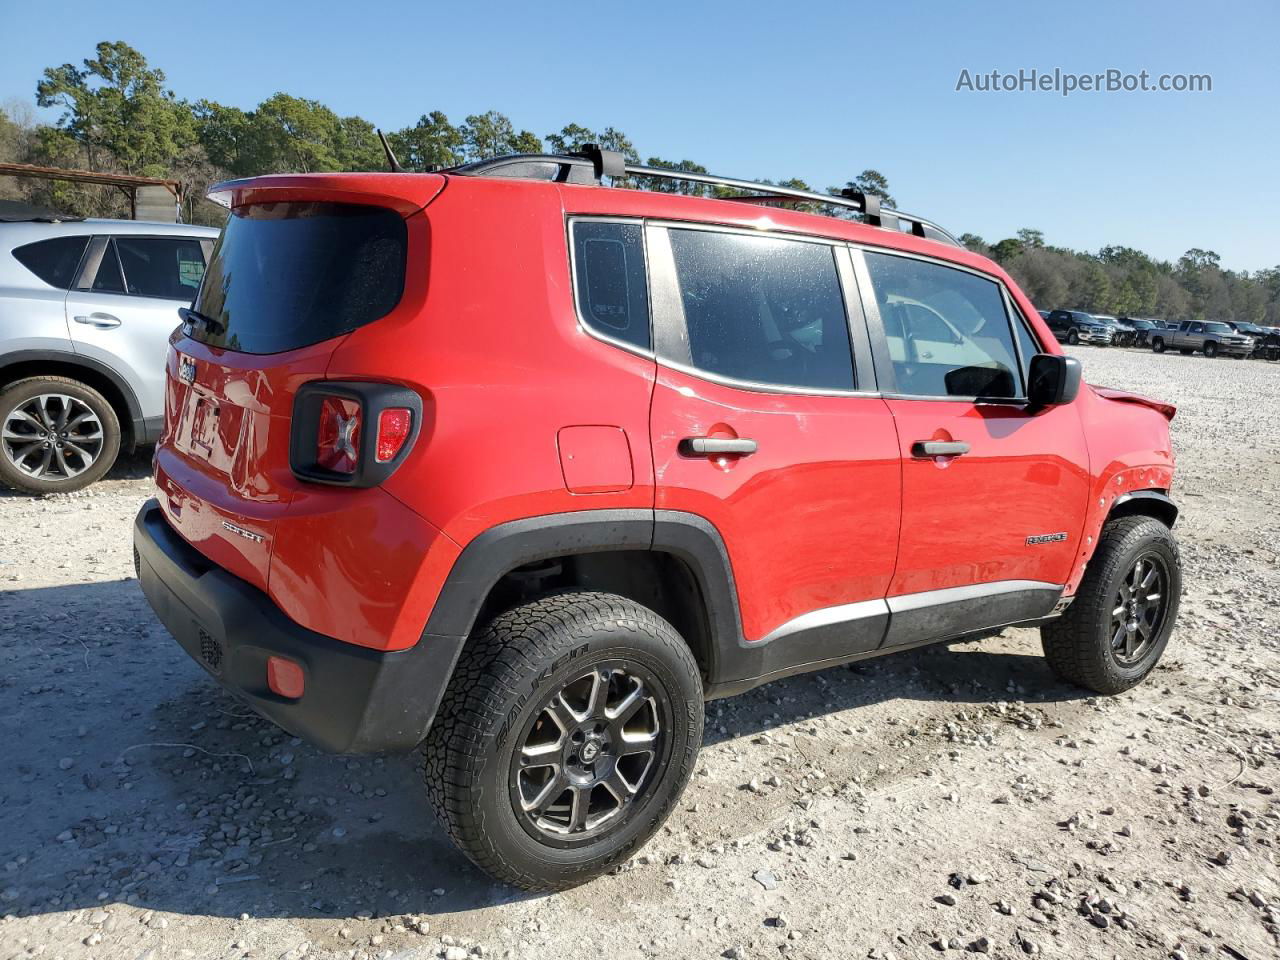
column 1141, row 603
column 588, row 755
column 52, row 436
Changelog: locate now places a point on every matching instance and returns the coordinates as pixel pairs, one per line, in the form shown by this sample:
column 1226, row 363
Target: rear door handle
column 938, row 448
column 103, row 320
column 712, row 446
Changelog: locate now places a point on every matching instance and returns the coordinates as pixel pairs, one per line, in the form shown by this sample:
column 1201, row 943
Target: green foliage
column 492, row 135
column 118, row 109
column 432, row 142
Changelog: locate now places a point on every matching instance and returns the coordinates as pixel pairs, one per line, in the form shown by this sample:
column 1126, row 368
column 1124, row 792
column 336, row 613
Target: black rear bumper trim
column 356, row 700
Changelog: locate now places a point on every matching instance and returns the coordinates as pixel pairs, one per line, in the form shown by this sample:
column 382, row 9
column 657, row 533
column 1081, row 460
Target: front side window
column 613, row 293
column 947, row 330
column 165, row 267
column 55, row 260
column 763, row 309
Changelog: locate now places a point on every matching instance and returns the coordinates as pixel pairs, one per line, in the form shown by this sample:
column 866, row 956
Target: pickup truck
column 1208, row 336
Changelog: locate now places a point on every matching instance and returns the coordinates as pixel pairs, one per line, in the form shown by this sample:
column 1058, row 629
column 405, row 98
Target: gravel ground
column 953, row 798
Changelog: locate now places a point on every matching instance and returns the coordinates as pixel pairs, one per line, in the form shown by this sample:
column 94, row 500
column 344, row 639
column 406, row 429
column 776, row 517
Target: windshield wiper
column 211, row 325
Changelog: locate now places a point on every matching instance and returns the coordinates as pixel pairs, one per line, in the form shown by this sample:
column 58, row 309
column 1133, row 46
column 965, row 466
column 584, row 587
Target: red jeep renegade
column 521, row 467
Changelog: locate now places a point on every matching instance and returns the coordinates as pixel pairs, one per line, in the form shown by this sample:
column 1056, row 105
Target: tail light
column 394, row 425
column 338, row 435
column 352, row 433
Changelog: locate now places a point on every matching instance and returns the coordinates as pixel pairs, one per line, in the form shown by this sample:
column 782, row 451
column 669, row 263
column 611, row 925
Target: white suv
column 86, row 309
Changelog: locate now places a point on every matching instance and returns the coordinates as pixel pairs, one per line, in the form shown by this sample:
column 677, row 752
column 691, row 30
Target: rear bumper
column 355, row 700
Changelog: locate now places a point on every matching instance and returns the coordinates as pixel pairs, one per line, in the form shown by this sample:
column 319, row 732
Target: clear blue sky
column 818, row 90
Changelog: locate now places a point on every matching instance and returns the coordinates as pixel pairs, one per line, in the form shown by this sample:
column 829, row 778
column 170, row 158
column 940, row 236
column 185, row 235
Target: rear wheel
column 56, row 435
column 1210, row 349
column 1073, row 337
column 1114, row 632
column 567, row 734
column 1158, row 344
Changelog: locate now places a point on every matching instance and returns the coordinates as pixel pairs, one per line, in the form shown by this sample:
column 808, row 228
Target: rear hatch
column 302, row 262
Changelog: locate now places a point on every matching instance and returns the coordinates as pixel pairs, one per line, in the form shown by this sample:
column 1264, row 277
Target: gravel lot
column 950, row 798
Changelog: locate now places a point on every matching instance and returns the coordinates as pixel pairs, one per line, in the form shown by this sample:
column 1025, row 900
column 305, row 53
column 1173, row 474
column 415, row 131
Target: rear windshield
column 287, row 275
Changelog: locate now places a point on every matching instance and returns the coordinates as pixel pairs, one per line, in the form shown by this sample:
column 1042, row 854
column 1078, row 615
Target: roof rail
column 591, row 163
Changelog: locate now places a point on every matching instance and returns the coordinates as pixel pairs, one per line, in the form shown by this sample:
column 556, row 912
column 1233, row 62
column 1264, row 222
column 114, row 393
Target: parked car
column 1076, row 326
column 1121, row 334
column 86, row 309
column 1209, row 336
column 1266, row 340
column 1139, row 328
column 478, row 459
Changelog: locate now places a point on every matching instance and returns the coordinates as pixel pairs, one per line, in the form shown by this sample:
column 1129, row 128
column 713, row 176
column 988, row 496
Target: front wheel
column 1114, row 632
column 56, row 435
column 1073, row 338
column 567, row 734
column 1210, row 349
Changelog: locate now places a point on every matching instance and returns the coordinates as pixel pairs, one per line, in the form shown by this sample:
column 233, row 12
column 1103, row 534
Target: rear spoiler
column 406, row 193
column 1166, row 410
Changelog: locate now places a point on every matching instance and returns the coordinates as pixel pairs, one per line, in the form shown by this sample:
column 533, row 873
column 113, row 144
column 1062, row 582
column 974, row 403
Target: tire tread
column 496, row 659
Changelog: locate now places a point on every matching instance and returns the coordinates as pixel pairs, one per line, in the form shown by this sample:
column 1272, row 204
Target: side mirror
column 1054, row 380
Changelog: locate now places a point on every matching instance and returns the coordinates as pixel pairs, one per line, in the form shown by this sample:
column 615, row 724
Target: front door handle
column 713, row 446
column 925, row 449
column 102, row 320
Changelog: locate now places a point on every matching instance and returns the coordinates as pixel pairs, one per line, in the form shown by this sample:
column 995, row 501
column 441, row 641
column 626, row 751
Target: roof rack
column 590, row 164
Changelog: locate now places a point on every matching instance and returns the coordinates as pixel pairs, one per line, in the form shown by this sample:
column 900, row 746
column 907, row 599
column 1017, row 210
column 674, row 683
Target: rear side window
column 947, row 330
column 613, row 295
column 287, row 275
column 168, row 267
column 763, row 309
column 55, row 260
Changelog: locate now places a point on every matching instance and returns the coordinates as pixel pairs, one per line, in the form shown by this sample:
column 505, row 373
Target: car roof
column 16, row 234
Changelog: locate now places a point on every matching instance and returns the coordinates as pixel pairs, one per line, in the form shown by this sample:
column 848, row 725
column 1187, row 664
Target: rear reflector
column 338, row 436
column 285, row 678
column 393, row 431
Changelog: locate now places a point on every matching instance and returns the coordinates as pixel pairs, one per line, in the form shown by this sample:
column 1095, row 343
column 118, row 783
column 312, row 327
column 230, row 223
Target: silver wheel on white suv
column 56, row 435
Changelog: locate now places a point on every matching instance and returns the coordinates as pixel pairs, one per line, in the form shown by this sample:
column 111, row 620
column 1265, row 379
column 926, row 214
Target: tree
column 686, row 187
column 491, row 134
column 1030, row 238
column 572, row 137
column 870, row 182
column 971, row 241
column 1006, row 250
column 431, row 143
column 226, row 133
column 118, row 108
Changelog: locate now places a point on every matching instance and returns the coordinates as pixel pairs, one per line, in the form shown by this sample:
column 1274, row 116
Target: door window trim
column 589, row 329
column 873, row 368
column 880, row 343
column 97, row 249
column 671, row 334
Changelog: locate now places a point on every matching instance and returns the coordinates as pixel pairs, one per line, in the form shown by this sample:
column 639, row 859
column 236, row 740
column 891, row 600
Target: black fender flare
column 1156, row 503
column 142, row 429
column 500, row 549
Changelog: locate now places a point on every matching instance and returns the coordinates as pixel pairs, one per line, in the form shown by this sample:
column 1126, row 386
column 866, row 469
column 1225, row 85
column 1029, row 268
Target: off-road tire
column 507, row 670
column 22, row 391
column 1078, row 645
